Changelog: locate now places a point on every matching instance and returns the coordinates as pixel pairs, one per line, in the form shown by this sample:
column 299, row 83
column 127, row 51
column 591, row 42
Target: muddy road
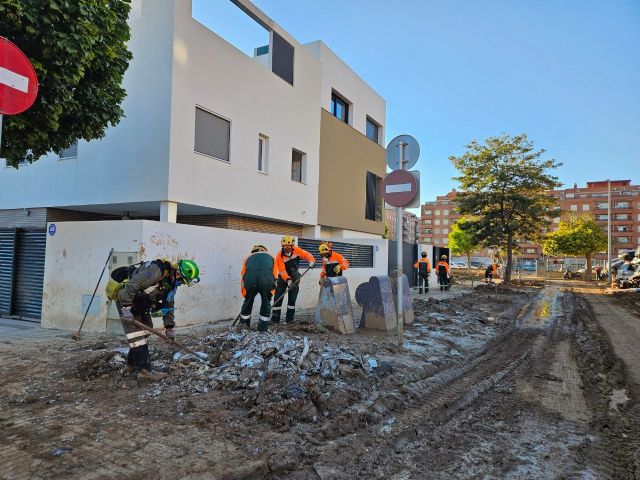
column 525, row 385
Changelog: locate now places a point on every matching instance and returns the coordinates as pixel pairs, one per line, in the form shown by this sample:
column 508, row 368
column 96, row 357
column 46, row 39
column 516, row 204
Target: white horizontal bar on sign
column 400, row 187
column 14, row 80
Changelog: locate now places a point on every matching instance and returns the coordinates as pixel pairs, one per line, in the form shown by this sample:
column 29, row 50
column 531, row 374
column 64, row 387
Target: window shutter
column 212, row 135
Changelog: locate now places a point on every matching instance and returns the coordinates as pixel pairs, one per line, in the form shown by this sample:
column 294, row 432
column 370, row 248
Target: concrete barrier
column 334, row 308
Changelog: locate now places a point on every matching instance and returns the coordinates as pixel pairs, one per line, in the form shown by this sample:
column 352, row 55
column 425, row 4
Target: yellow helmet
column 258, row 248
column 443, row 257
column 288, row 241
column 324, row 247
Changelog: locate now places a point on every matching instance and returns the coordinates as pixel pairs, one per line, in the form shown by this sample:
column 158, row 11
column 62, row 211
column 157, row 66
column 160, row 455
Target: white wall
column 131, row 163
column 212, row 73
column 76, row 254
column 338, row 76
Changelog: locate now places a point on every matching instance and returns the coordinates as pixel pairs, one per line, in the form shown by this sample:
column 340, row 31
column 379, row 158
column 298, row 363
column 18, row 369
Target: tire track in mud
column 615, row 452
column 430, row 399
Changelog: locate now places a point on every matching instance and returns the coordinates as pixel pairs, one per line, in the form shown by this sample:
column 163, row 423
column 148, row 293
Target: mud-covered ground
column 522, row 383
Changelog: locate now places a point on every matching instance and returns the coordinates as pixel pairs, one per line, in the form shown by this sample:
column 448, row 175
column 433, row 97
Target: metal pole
column 609, row 277
column 399, row 257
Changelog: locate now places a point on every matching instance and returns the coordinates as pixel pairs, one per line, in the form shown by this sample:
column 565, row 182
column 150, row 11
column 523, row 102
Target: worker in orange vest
column 490, row 272
column 333, row 264
column 288, row 262
column 258, row 275
column 444, row 273
column 424, row 270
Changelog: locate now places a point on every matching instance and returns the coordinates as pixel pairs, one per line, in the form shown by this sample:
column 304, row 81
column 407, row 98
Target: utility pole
column 399, row 269
column 609, row 276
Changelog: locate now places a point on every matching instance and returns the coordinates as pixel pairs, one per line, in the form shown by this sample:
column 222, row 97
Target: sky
column 567, row 73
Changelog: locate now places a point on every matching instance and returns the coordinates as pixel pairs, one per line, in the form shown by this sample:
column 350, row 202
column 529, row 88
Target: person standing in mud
column 444, row 273
column 424, row 270
column 333, row 263
column 149, row 287
column 288, row 263
column 491, row 270
column 259, row 273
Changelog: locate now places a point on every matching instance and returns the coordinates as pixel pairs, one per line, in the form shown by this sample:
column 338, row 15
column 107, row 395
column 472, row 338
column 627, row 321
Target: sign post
column 18, row 81
column 400, row 189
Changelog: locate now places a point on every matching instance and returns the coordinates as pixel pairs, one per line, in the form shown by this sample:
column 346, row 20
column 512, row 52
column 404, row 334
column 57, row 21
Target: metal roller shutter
column 359, row 256
column 7, row 247
column 29, row 273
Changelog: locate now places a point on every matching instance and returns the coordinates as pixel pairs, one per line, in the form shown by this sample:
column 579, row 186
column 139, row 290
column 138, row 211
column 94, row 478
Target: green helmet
column 189, row 271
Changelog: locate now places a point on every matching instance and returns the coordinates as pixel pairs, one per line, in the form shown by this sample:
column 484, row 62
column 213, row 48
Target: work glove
column 312, row 264
column 126, row 313
column 289, row 283
column 337, row 269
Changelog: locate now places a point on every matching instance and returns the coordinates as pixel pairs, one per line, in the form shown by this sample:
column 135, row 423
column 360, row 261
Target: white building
column 285, row 142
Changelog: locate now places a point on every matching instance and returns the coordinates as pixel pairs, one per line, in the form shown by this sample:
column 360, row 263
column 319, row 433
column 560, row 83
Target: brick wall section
column 249, row 224
column 18, row 218
column 61, row 215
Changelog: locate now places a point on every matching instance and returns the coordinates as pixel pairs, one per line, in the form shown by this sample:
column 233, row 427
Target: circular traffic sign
column 399, row 188
column 411, row 152
column 18, row 80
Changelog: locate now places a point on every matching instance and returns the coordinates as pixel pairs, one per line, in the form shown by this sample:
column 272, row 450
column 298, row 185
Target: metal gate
column 7, row 247
column 22, row 254
column 409, row 258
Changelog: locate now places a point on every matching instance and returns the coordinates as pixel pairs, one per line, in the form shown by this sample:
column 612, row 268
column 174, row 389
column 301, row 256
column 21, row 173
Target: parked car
column 458, row 265
column 527, row 267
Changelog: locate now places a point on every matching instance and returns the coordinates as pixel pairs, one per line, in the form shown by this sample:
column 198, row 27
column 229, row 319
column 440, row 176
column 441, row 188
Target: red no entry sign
column 18, row 80
column 399, row 188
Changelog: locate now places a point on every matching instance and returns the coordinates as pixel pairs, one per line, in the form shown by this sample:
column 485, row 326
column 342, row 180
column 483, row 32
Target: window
column 373, row 130
column 574, row 208
column 445, row 222
column 427, row 222
column 556, row 220
column 445, row 231
column 212, row 135
column 445, row 212
column 298, row 166
column 622, row 216
column 601, row 205
column 339, row 108
column 622, row 205
column 437, row 222
column 585, row 207
column 373, row 205
column 446, row 241
column 570, row 195
column 437, row 212
column 71, row 152
column 282, row 58
column 427, row 212
column 437, row 231
column 263, row 153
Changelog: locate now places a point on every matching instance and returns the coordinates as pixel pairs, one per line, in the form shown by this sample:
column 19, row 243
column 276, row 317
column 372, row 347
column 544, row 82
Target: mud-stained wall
column 77, row 252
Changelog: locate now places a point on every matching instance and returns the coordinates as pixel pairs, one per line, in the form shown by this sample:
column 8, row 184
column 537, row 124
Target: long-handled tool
column 76, row 336
column 281, row 296
column 167, row 339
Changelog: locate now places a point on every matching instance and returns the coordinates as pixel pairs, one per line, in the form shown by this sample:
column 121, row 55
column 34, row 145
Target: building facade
column 222, row 138
column 410, row 225
column 286, row 140
column 439, row 215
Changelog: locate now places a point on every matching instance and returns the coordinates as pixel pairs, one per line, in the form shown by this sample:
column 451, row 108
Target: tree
column 78, row 49
column 576, row 236
column 505, row 184
column 462, row 241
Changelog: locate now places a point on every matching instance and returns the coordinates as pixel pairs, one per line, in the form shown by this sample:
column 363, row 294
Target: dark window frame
column 303, row 157
column 337, row 99
column 373, row 198
column 371, row 121
column 195, row 144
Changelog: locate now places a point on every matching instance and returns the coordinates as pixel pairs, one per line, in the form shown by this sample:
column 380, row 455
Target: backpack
column 442, row 270
column 119, row 277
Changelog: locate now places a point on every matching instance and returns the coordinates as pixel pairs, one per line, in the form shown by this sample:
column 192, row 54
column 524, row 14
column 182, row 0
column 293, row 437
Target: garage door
column 22, row 255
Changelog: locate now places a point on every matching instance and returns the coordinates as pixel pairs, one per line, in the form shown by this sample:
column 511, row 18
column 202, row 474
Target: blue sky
column 565, row 72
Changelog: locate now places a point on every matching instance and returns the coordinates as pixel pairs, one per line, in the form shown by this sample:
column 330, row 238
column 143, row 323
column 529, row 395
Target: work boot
column 148, row 375
column 126, row 371
column 441, row 288
column 426, row 290
column 263, row 325
column 244, row 324
column 169, row 332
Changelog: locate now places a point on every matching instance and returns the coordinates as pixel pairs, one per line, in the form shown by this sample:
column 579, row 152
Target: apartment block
column 410, row 225
column 593, row 199
column 439, row 215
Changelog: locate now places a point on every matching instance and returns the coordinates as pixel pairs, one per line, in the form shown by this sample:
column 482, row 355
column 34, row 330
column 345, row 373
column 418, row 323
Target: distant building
column 439, row 215
column 410, row 225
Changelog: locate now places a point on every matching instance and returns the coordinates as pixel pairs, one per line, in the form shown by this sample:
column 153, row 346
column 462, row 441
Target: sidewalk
column 11, row 329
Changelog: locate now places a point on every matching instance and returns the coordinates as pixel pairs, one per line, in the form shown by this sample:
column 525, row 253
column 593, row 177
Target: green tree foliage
column 462, row 241
column 577, row 236
column 78, row 49
column 505, row 184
